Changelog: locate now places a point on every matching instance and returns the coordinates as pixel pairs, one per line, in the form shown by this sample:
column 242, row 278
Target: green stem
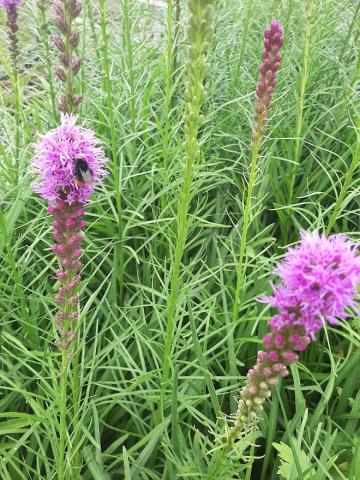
column 129, row 64
column 118, row 271
column 300, row 115
column 244, row 42
column 182, row 227
column 169, row 66
column 18, row 282
column 90, row 16
column 63, row 410
column 240, row 267
column 76, row 393
column 275, row 8
column 347, row 180
column 246, row 223
column 68, row 51
column 349, row 33
column 176, row 33
column 166, row 129
column 44, row 33
column 17, row 120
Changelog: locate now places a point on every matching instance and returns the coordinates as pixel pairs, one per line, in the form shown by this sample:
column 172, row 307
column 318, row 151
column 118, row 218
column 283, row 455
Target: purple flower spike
column 68, row 162
column 273, row 40
column 56, row 159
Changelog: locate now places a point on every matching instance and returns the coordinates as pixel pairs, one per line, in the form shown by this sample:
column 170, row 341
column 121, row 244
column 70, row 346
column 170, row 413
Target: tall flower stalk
column 58, row 157
column 11, row 9
column 68, row 163
column 199, row 34
column 318, row 283
column 273, row 40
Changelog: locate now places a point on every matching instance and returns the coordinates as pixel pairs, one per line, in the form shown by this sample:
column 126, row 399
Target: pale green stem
column 127, row 40
column 182, row 226
column 118, row 272
column 304, row 74
column 61, row 466
column 347, row 180
column 246, row 223
column 44, row 32
column 68, row 51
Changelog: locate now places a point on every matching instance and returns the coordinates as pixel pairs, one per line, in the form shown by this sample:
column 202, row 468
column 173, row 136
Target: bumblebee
column 83, row 173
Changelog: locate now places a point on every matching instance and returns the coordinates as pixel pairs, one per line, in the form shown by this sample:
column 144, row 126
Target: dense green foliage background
column 132, row 83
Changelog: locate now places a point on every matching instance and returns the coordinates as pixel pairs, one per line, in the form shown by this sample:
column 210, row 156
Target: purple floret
column 6, row 4
column 55, row 159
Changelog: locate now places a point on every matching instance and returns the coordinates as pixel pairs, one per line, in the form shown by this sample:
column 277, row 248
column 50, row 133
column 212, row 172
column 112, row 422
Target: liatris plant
column 66, row 12
column 69, row 163
column 319, row 280
column 273, row 40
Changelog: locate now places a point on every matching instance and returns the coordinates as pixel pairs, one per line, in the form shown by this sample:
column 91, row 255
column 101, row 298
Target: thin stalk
column 68, row 52
column 275, row 8
column 17, row 119
column 61, row 466
column 118, row 272
column 175, row 42
column 240, row 270
column 199, row 33
column 300, row 115
column 83, row 51
column 90, row 16
column 354, row 22
column 182, row 227
column 129, row 63
column 169, row 66
column 176, row 32
column 290, row 7
column 245, row 32
column 76, row 397
column 166, row 128
column 44, row 34
column 18, row 283
column 347, row 180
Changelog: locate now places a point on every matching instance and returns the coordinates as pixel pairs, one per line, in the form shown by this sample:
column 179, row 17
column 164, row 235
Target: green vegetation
column 161, row 360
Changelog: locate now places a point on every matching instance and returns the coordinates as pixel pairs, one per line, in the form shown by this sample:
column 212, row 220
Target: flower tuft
column 55, row 162
column 319, row 279
column 7, row 4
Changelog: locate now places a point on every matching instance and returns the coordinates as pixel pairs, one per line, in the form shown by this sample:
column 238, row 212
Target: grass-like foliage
column 169, row 320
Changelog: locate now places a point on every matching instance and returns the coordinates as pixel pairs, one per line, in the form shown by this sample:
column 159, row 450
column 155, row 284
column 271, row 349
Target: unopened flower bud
column 74, row 39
